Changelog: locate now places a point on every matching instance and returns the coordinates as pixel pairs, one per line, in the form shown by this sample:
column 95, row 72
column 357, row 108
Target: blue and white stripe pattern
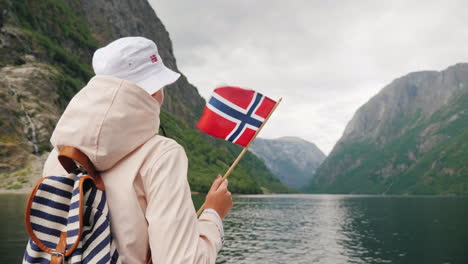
column 55, row 208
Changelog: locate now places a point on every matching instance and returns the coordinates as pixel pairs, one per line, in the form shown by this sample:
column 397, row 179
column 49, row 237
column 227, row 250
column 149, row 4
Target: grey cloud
column 326, row 58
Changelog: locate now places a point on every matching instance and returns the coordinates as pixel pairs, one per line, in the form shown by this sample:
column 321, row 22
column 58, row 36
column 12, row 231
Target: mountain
column 46, row 48
column 411, row 138
column 292, row 159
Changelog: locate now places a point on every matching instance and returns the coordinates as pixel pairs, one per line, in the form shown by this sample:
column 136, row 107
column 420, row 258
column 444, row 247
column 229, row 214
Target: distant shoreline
column 20, row 191
column 27, row 191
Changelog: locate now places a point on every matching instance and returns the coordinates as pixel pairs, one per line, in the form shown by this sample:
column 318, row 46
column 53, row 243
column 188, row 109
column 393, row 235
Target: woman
column 114, row 120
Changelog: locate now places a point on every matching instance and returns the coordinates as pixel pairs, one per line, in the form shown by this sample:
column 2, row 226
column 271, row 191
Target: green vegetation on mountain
column 418, row 145
column 45, row 56
column 443, row 169
column 49, row 24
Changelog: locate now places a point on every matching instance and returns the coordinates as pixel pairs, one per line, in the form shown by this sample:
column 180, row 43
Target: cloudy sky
column 325, row 58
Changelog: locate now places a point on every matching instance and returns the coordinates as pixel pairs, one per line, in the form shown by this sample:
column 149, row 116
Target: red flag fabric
column 235, row 114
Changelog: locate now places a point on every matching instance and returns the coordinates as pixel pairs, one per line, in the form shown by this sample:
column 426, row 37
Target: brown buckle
column 57, row 254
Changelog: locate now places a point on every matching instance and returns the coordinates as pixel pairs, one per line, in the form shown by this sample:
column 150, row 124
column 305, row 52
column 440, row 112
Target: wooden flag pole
column 234, row 164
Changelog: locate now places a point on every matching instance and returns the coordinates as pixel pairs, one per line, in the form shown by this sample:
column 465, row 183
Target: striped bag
column 67, row 217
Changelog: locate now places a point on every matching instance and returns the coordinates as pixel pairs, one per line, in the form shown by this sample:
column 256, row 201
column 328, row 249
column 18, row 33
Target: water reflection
column 294, row 229
column 326, row 223
column 12, row 232
column 324, row 229
column 333, row 229
column 408, row 229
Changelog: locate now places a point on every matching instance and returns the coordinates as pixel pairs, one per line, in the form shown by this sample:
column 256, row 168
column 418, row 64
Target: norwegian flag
column 154, row 58
column 235, row 114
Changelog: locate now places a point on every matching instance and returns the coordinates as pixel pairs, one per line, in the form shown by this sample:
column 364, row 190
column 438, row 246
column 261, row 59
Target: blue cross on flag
column 235, row 114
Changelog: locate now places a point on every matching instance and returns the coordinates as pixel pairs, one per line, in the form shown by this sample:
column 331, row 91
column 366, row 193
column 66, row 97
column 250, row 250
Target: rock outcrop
column 109, row 20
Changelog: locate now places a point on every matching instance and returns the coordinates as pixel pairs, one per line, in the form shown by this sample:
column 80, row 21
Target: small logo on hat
column 153, row 58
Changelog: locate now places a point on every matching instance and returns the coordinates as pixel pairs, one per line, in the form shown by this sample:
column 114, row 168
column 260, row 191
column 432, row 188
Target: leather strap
column 70, row 156
column 58, row 255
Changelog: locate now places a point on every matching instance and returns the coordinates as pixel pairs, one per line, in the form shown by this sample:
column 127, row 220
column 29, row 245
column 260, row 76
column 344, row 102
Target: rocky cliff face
column 410, row 138
column 46, row 48
column 292, row 159
column 109, row 20
column 29, row 109
column 419, row 92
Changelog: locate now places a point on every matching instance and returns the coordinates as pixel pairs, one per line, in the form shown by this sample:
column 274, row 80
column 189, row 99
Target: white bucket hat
column 134, row 59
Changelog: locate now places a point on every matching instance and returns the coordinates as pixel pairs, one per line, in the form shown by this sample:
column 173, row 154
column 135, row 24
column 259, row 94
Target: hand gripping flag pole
column 239, row 127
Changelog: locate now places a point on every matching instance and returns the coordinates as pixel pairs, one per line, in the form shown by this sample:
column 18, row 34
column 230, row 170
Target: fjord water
column 330, row 229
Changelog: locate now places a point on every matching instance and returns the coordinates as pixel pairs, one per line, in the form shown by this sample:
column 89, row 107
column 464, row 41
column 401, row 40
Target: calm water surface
column 330, row 229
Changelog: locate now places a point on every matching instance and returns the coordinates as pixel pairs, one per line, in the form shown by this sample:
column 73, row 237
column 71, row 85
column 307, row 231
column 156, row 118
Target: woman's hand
column 219, row 198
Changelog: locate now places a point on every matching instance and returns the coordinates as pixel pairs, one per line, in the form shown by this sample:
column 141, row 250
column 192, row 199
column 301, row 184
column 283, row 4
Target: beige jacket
column 115, row 123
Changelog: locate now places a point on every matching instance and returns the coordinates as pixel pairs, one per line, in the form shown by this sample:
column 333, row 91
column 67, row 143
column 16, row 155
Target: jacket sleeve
column 175, row 234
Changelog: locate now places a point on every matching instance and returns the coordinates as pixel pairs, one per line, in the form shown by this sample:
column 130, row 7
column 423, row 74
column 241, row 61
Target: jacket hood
column 107, row 119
